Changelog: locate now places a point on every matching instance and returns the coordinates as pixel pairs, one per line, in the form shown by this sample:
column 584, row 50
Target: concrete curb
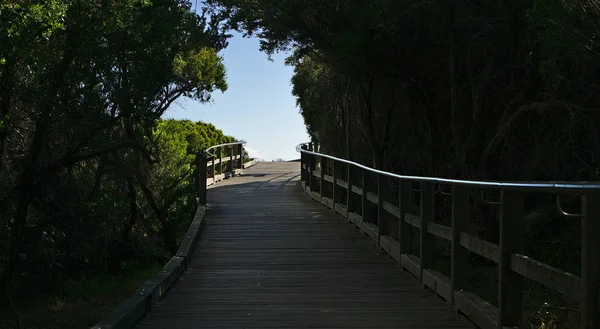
column 126, row 315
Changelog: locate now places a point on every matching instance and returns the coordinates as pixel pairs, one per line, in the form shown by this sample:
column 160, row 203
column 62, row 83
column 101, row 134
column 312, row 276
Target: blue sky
column 258, row 106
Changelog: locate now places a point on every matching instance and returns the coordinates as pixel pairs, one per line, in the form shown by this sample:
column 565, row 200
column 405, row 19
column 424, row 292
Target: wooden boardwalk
column 270, row 257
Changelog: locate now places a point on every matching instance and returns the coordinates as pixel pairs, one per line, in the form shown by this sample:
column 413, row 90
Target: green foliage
column 178, row 142
column 92, row 179
column 201, row 68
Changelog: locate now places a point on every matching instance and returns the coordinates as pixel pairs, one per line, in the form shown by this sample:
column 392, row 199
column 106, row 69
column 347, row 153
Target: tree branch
column 70, row 159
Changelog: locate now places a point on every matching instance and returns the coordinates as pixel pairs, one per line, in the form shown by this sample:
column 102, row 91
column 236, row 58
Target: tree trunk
column 16, row 236
column 133, row 210
column 6, row 91
column 28, row 182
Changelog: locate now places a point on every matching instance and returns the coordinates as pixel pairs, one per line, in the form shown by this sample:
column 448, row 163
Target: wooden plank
column 390, row 246
column 214, row 180
column 328, row 178
column 315, row 195
column 221, row 160
column 340, row 209
column 413, row 220
column 269, row 257
column 393, row 247
column 438, row 282
column 189, row 242
column 126, row 314
column 551, row 277
column 371, row 197
column 342, row 183
column 371, row 230
column 411, row 263
column 440, row 230
column 327, row 202
column 391, row 209
column 354, row 218
column 481, row 247
column 482, row 313
column 357, row 190
column 250, row 163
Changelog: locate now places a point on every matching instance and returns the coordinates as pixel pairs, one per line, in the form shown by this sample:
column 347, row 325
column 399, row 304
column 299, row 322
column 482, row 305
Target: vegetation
column 92, row 181
column 462, row 89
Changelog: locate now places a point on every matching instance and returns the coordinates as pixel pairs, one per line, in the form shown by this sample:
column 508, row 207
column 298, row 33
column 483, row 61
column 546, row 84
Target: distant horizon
column 258, row 106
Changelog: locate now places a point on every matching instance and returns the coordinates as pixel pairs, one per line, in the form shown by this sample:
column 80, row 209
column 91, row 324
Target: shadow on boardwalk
column 269, row 257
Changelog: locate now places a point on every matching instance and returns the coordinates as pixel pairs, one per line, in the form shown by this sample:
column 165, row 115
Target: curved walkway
column 270, row 257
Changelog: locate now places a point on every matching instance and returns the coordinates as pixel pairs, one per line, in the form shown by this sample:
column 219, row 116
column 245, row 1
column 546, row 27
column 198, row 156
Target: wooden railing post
column 197, row 177
column 427, row 215
column 349, row 208
column 323, row 163
column 510, row 284
column 405, row 233
column 230, row 164
column 313, row 166
column 461, row 211
column 220, row 150
column 213, row 168
column 303, row 166
column 334, row 188
column 201, row 177
column 308, row 173
column 363, row 199
column 382, row 224
column 590, row 260
column 240, row 148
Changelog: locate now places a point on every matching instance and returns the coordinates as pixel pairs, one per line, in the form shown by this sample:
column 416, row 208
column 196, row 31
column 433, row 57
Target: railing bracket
column 560, row 209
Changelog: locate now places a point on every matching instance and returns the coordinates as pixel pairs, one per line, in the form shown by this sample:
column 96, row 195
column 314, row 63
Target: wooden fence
column 128, row 313
column 220, row 162
column 335, row 182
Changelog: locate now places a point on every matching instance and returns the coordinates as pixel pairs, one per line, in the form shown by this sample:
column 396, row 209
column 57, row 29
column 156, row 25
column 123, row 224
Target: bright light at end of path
column 255, row 153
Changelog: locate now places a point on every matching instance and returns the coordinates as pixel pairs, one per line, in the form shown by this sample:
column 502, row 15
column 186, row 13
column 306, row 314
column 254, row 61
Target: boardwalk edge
column 126, row 315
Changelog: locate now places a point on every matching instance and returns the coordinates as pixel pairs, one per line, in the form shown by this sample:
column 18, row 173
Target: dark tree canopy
column 90, row 177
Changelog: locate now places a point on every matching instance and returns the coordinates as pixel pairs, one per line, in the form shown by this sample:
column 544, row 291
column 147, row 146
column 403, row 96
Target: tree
column 79, row 101
column 462, row 90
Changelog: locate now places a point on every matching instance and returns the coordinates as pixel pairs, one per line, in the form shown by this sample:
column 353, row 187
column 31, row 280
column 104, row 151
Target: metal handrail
column 527, row 186
column 221, row 145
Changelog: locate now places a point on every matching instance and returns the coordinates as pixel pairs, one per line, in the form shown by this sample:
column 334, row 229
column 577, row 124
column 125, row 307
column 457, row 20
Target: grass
column 78, row 304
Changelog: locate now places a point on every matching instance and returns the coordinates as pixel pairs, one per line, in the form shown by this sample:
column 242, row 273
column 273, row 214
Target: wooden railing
column 225, row 159
column 219, row 162
column 336, row 182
